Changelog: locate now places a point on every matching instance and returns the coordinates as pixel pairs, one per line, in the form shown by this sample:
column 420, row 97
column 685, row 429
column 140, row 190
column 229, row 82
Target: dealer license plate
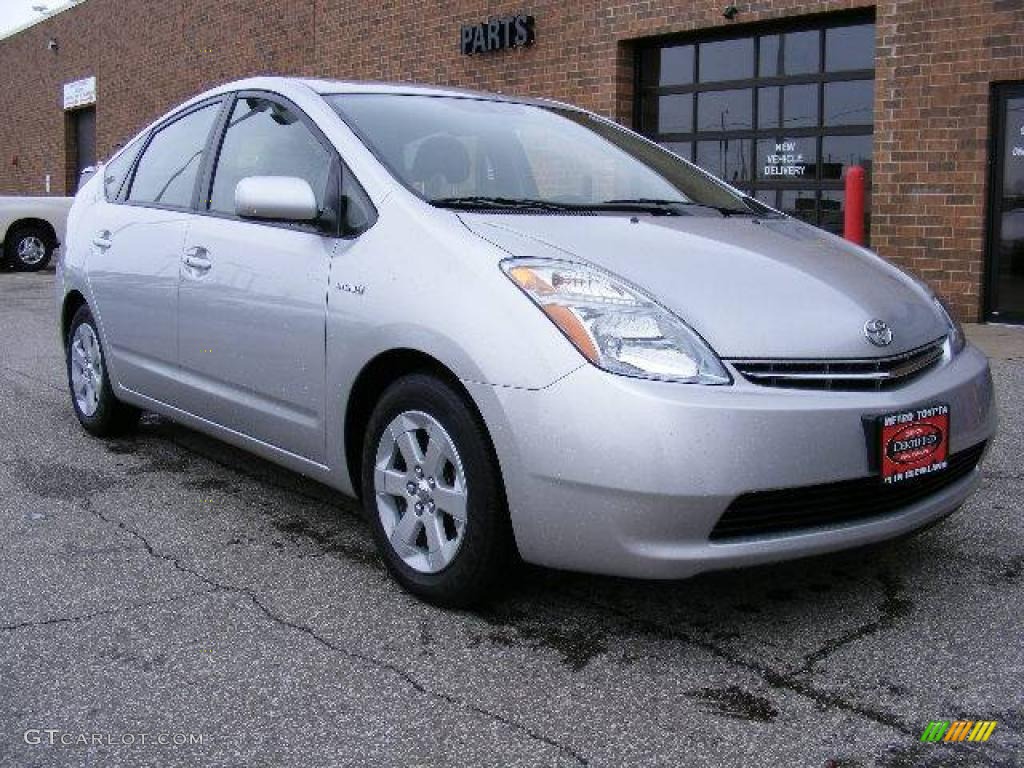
column 914, row 443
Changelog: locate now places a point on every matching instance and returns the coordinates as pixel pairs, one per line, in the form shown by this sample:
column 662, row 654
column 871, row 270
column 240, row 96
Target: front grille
column 764, row 513
column 869, row 374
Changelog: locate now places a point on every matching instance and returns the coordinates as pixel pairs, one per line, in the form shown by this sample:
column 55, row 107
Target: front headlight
column 957, row 340
column 614, row 325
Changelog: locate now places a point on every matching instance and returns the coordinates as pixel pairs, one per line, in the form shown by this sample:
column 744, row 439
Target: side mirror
column 279, row 198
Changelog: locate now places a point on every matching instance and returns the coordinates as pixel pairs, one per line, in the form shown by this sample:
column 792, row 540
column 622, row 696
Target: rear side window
column 116, row 170
column 265, row 138
column 166, row 174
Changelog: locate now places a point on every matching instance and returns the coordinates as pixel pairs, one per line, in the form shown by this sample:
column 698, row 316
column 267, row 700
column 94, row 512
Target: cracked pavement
column 165, row 582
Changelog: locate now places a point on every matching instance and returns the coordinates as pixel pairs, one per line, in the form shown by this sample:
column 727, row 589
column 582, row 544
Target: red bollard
column 853, row 225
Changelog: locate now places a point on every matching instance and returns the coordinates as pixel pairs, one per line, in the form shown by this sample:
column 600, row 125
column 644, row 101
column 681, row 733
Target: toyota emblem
column 878, row 332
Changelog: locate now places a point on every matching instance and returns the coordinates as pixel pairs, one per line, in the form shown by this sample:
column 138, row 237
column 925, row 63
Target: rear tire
column 92, row 396
column 433, row 495
column 28, row 248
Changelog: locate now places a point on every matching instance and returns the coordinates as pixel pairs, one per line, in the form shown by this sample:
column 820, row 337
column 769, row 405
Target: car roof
column 293, row 87
column 325, row 87
column 352, row 86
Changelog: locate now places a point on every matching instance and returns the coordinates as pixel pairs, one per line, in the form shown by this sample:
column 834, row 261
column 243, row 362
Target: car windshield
column 476, row 153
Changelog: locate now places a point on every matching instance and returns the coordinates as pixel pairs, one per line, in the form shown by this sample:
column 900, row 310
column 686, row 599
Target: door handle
column 102, row 240
column 197, row 258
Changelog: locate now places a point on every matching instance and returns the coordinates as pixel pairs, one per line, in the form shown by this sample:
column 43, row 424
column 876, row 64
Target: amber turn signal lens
column 571, row 326
column 530, row 281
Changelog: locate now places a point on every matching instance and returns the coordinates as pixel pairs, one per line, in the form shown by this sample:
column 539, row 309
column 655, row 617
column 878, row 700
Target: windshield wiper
column 656, row 207
column 519, row 203
column 641, row 202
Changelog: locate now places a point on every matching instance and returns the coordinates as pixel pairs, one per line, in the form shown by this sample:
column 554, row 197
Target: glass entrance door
column 1005, row 300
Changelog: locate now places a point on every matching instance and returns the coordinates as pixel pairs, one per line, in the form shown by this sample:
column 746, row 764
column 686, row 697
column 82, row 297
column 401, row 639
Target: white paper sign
column 80, row 93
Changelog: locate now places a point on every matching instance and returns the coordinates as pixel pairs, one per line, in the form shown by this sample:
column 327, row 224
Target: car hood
column 767, row 288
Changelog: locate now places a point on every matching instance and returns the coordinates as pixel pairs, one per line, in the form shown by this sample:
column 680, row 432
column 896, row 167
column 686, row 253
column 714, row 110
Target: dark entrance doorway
column 1005, row 299
column 81, row 144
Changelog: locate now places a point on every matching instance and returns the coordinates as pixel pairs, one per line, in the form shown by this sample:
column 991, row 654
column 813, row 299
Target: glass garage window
column 802, row 52
column 726, row 60
column 849, row 47
column 850, row 103
column 780, row 112
column 671, row 113
column 671, row 65
column 727, row 159
column 724, row 110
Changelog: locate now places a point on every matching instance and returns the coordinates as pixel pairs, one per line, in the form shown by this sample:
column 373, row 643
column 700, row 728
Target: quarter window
column 360, row 214
column 265, row 138
column 167, row 172
column 780, row 114
column 116, row 170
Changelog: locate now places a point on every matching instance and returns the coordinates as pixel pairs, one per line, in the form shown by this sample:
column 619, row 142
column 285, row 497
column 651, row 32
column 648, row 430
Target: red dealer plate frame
column 914, row 443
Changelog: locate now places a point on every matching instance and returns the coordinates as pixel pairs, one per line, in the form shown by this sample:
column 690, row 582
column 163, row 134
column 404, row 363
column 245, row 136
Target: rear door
column 253, row 294
column 137, row 236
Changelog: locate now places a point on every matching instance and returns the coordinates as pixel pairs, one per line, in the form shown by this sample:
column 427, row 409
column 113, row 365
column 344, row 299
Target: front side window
column 451, row 150
column 265, row 138
column 166, row 174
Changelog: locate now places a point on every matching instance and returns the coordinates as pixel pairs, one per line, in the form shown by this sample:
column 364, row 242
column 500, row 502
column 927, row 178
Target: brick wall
column 935, row 62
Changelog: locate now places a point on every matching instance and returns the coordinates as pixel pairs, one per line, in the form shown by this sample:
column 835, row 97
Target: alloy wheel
column 31, row 250
column 421, row 491
column 86, row 369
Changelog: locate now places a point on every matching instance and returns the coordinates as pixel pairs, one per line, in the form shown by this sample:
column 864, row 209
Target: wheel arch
column 71, row 304
column 375, row 377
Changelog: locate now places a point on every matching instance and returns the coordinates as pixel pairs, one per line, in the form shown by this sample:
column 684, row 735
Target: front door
column 251, row 325
column 252, row 303
column 1005, row 299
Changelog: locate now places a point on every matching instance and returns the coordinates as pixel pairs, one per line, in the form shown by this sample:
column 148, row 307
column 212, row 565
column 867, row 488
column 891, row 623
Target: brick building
column 778, row 96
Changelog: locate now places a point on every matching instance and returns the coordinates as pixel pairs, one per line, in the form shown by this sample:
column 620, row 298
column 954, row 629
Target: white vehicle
column 32, row 228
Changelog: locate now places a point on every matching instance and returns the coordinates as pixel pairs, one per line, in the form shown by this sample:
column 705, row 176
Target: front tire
column 92, row 396
column 433, row 494
column 29, row 248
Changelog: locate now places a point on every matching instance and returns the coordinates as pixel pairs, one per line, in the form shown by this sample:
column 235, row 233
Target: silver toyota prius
column 513, row 328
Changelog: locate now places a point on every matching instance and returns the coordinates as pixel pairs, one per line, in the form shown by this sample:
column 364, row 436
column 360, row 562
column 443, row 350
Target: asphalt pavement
column 165, row 588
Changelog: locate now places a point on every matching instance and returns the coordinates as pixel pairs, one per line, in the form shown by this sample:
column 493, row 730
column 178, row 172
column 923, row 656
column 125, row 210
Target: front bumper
column 608, row 474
